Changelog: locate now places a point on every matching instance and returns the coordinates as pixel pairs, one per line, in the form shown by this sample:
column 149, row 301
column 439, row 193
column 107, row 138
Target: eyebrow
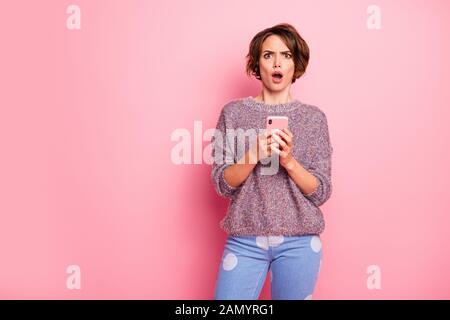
column 289, row 51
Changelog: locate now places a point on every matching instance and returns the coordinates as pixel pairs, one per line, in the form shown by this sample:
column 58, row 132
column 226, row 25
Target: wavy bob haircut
column 296, row 44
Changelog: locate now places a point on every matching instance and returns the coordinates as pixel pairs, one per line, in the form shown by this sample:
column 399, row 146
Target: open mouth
column 277, row 76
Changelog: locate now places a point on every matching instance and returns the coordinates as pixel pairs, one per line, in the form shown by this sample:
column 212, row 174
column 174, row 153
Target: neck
column 271, row 97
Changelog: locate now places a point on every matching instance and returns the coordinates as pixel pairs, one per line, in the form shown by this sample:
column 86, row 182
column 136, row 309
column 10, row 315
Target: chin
column 276, row 88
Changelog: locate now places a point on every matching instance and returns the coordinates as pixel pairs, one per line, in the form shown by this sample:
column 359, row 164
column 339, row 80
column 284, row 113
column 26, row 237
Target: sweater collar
column 279, row 107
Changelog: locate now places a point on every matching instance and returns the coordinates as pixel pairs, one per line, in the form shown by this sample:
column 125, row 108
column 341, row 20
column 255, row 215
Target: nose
column 276, row 62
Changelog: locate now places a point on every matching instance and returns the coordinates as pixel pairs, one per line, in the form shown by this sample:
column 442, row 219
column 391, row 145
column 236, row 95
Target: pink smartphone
column 276, row 122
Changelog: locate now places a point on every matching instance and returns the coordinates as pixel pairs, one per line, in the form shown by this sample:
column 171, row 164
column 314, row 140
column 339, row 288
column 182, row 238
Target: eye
column 288, row 55
column 266, row 55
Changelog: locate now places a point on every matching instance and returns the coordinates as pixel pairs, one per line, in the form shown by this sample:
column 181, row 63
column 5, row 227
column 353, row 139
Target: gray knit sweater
column 269, row 202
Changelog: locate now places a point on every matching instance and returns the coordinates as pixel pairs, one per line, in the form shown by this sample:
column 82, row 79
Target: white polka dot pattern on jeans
column 230, row 262
column 269, row 241
column 316, row 244
column 262, row 242
column 275, row 241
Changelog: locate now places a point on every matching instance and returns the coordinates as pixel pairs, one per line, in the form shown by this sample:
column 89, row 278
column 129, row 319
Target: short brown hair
column 296, row 44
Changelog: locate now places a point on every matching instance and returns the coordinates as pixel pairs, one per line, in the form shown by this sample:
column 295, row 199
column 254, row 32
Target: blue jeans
column 294, row 263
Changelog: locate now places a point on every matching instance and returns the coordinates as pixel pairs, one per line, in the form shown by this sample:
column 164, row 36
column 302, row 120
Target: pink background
column 86, row 117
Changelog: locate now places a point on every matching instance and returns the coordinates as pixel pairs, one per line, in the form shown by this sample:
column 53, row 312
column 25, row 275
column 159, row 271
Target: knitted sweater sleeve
column 320, row 166
column 223, row 151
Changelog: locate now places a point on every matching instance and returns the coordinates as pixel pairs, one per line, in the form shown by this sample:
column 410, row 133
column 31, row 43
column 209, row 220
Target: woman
column 273, row 220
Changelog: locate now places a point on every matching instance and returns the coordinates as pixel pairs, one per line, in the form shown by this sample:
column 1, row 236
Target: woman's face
column 276, row 58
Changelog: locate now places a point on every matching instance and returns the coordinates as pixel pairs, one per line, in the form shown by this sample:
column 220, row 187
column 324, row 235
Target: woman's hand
column 262, row 148
column 285, row 139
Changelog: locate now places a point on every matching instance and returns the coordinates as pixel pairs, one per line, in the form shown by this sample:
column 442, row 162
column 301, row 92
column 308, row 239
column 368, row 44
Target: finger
column 275, row 131
column 285, row 137
column 275, row 149
column 274, row 143
column 279, row 140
